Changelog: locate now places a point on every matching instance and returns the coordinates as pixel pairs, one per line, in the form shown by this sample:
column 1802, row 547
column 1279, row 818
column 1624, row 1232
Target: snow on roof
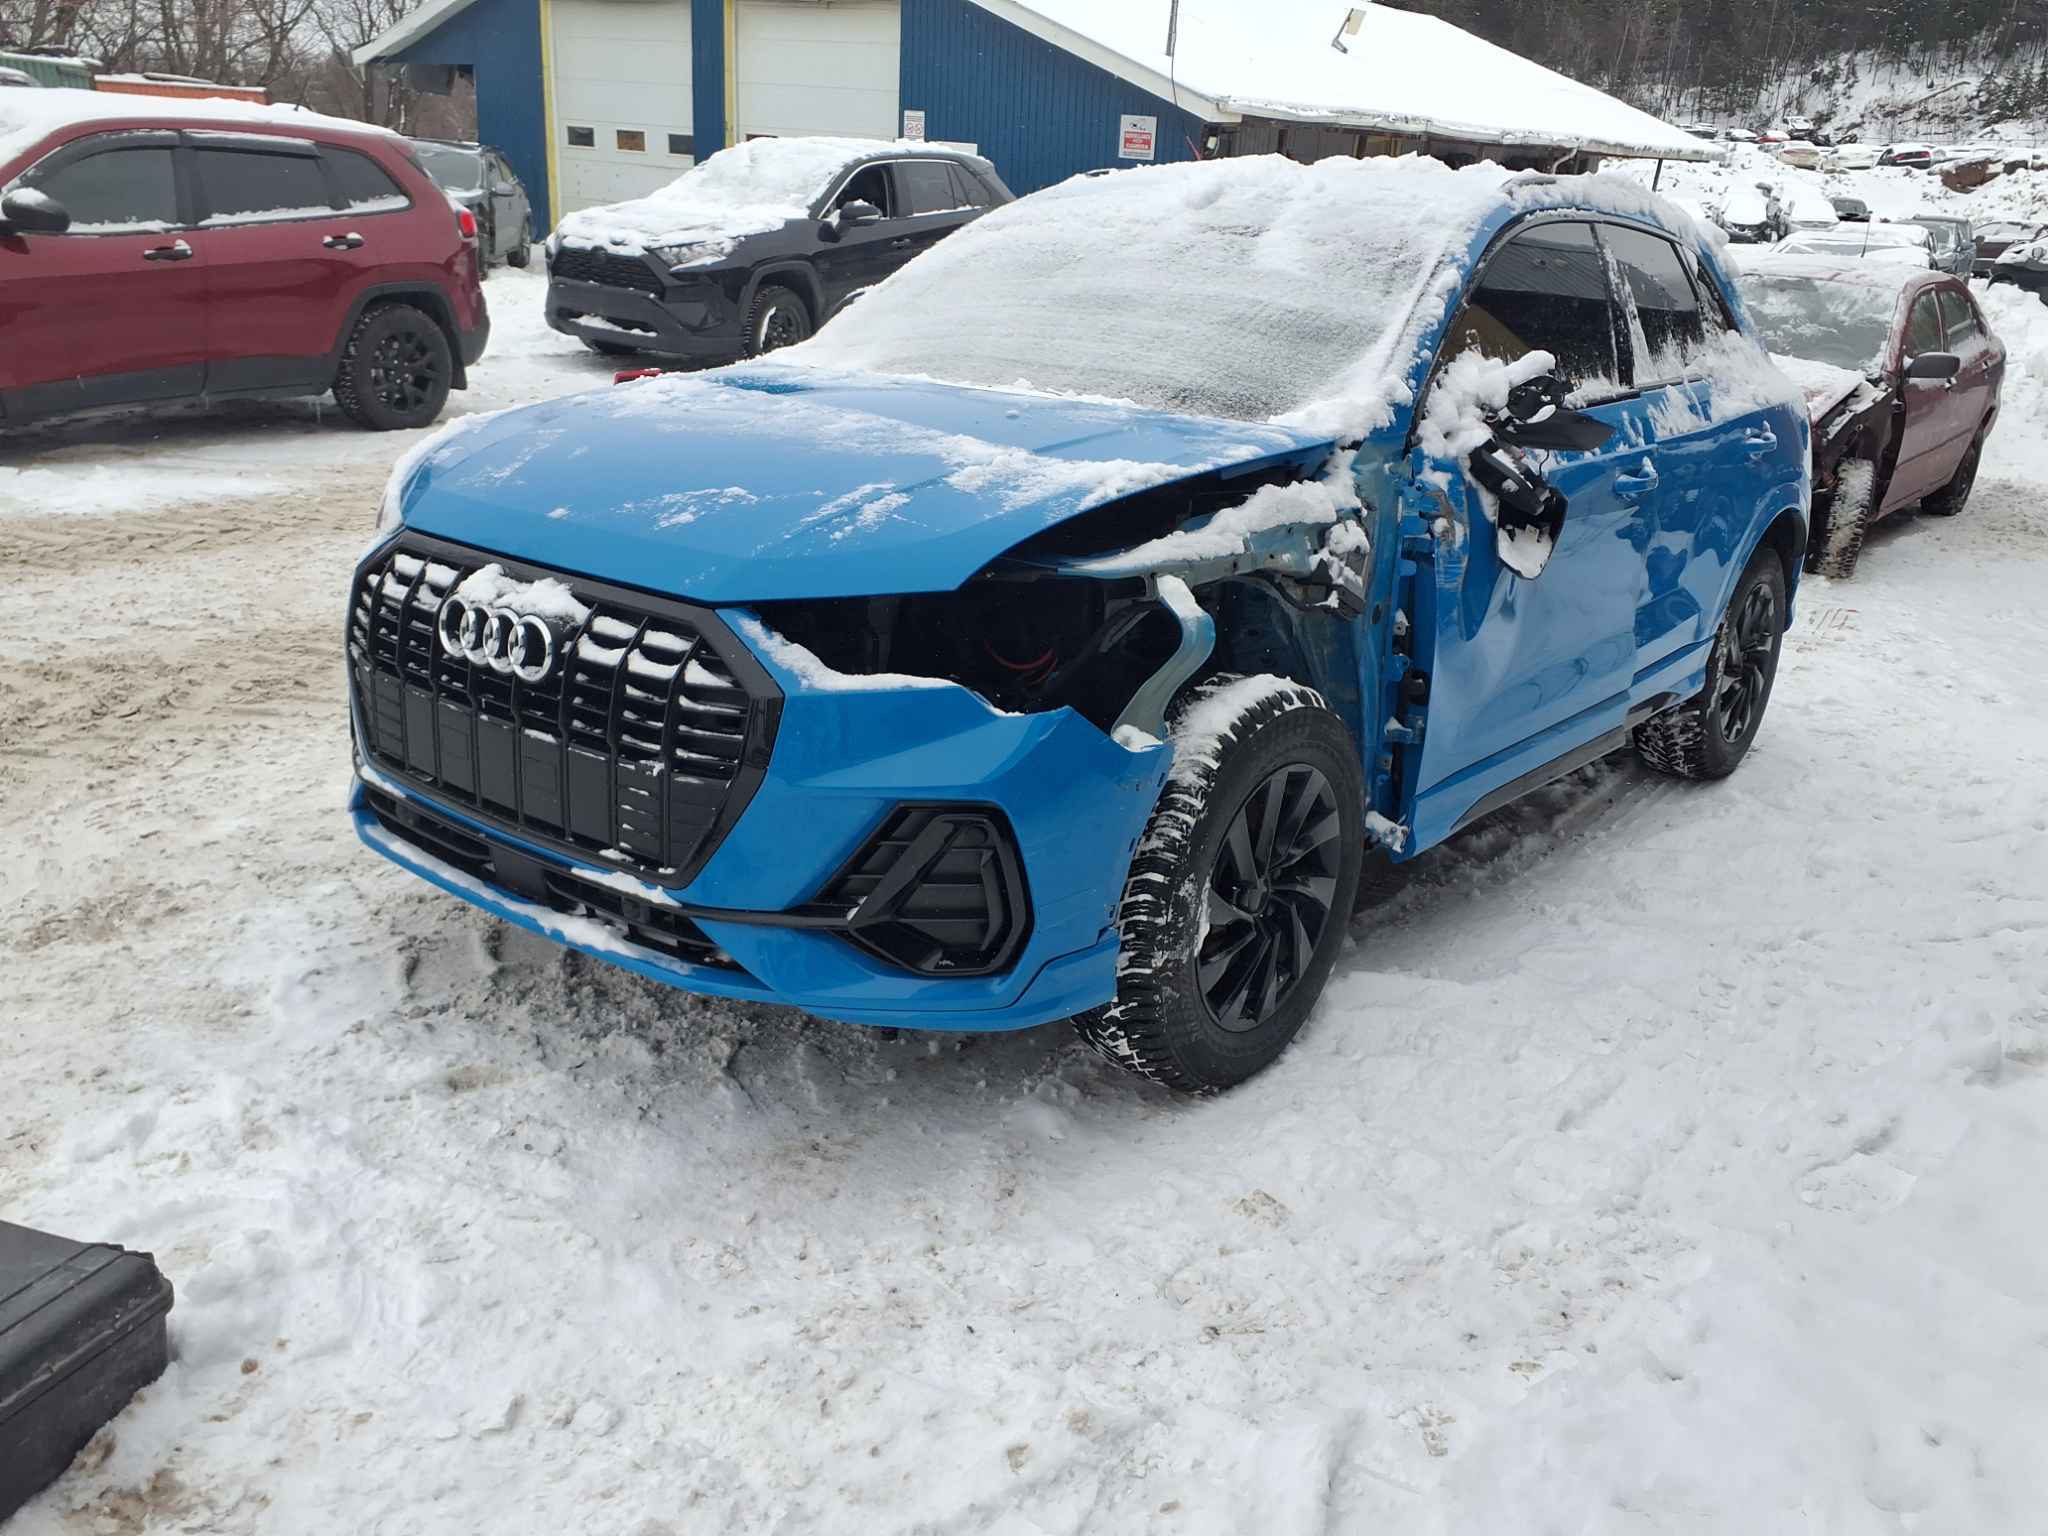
column 28, row 117
column 409, row 29
column 1828, row 269
column 743, row 190
column 1251, row 288
column 1402, row 72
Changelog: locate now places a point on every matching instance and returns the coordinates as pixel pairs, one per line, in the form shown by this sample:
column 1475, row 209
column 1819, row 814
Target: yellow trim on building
column 547, row 109
column 732, row 72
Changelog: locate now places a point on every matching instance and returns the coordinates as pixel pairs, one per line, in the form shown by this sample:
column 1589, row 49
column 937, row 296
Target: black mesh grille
column 938, row 890
column 640, row 751
column 582, row 266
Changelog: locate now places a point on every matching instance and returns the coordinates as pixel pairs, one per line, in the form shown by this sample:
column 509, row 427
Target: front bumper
column 697, row 322
column 845, row 759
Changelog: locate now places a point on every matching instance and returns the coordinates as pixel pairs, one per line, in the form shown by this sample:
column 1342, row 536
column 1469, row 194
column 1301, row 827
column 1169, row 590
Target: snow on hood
column 748, row 189
column 1823, row 384
column 1255, row 288
column 778, row 481
column 29, row 117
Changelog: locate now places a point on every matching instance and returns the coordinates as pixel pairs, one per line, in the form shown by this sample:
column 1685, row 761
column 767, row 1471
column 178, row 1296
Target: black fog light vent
column 939, row 890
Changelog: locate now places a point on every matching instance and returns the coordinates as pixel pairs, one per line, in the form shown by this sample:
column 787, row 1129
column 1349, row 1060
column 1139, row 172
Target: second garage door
column 804, row 67
column 622, row 98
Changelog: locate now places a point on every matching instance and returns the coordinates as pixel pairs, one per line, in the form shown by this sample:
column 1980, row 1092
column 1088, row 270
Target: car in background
column 154, row 249
column 1801, row 154
column 1806, row 208
column 2025, row 266
column 759, row 246
column 1955, row 241
column 1798, row 127
column 1850, row 210
column 1738, row 136
column 869, row 680
column 1900, row 244
column 1702, row 130
column 1996, row 238
column 1902, row 377
column 17, row 78
column 1753, row 215
column 1851, row 157
column 1912, row 156
column 479, row 178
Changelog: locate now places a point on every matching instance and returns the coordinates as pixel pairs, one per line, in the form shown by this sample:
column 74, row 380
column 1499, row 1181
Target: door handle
column 1760, row 443
column 348, row 242
column 177, row 250
column 1628, row 487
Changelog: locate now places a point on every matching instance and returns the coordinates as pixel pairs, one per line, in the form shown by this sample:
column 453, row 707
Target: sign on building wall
column 913, row 124
column 1138, row 138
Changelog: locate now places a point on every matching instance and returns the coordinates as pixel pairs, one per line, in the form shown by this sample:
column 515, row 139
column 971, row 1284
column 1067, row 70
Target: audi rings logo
column 516, row 644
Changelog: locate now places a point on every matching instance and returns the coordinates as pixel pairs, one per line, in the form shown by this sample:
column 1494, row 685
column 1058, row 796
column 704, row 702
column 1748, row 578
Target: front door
column 112, row 312
column 932, row 204
column 1927, row 451
column 863, row 254
column 1526, row 669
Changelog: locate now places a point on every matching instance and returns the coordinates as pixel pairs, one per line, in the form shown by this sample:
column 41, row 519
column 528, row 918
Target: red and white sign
column 1139, row 136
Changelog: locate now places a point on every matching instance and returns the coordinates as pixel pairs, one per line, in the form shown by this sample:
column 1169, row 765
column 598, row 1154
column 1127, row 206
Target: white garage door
column 802, row 66
column 622, row 98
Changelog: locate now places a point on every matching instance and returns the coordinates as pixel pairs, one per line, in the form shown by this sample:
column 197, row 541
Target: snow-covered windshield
column 1246, row 288
column 458, row 170
column 1863, row 242
column 1827, row 319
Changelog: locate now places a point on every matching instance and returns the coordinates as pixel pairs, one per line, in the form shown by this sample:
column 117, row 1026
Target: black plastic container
column 81, row 1329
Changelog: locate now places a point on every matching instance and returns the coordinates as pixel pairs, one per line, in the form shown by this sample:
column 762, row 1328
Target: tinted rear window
column 243, row 186
column 365, row 186
column 927, row 186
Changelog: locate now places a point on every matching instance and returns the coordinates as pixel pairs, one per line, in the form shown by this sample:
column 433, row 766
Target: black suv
column 758, row 246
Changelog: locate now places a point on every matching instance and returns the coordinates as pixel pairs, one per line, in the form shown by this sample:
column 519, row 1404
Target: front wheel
column 1708, row 736
column 396, row 369
column 779, row 319
column 1236, row 902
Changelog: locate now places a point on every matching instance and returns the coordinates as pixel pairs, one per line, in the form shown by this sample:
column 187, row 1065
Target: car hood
column 1824, row 385
column 772, row 482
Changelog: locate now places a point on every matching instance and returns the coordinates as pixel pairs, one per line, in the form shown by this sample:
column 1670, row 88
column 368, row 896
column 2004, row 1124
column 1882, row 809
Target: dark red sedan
column 1902, row 377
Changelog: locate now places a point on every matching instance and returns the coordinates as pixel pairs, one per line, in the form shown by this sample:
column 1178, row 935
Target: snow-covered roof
column 27, row 117
column 409, row 29
column 1401, row 72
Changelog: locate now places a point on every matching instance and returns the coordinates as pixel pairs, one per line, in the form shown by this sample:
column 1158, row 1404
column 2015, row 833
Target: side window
column 1924, row 330
column 870, row 184
column 1715, row 315
column 364, row 185
column 1959, row 321
column 927, row 186
column 1666, row 304
column 1544, row 291
column 249, row 186
column 115, row 190
column 967, row 188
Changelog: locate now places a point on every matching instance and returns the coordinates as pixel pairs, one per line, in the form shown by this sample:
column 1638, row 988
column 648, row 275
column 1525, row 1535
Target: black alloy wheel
column 407, row 370
column 1269, row 897
column 779, row 319
column 1748, row 645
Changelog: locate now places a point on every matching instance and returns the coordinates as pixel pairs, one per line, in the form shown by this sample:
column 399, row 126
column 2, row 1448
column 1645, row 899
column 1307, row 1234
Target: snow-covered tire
column 1850, row 512
column 1229, row 932
column 396, row 369
column 1708, row 736
column 521, row 253
column 1954, row 496
column 779, row 319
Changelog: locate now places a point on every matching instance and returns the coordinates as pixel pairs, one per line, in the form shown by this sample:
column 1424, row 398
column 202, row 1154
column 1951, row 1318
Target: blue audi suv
column 1058, row 635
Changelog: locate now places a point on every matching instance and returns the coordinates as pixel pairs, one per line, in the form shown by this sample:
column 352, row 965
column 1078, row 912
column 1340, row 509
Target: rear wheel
column 1708, row 736
column 1236, row 902
column 1954, row 496
column 780, row 318
column 396, row 369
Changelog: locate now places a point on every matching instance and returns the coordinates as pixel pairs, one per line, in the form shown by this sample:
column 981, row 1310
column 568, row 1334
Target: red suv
column 170, row 256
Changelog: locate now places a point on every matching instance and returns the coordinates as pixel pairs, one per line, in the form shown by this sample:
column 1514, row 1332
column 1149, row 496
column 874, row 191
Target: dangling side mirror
column 1537, row 417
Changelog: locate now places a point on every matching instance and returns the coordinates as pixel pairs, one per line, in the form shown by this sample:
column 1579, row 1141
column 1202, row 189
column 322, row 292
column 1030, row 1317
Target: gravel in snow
column 1663, row 1158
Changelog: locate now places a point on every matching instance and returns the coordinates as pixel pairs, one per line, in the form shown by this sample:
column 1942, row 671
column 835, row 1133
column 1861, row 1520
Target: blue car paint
column 752, row 484
column 1514, row 684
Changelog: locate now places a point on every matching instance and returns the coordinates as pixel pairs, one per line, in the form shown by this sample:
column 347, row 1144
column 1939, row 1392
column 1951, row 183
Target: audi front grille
column 638, row 748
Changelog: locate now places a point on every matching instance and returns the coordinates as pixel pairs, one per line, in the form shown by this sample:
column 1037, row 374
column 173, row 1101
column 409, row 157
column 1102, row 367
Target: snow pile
column 1250, row 288
column 28, row 117
column 747, row 189
column 1401, row 71
column 547, row 598
column 1471, row 388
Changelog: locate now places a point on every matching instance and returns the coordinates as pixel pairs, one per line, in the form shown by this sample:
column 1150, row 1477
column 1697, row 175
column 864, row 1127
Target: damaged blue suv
column 1056, row 635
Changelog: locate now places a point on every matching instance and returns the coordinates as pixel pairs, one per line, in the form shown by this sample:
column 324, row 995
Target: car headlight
column 692, row 254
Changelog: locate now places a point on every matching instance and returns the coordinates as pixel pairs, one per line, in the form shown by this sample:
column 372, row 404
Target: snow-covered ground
column 1664, row 1157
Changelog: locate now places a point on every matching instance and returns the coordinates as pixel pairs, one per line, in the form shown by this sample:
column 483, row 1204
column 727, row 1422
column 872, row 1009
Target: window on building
column 634, row 139
column 682, row 144
column 114, row 190
column 364, row 185
column 927, row 186
column 1544, row 291
column 250, row 186
column 1666, row 305
column 583, row 138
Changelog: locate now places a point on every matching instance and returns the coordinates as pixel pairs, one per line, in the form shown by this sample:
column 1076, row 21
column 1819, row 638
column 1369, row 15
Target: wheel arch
column 798, row 276
column 427, row 299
